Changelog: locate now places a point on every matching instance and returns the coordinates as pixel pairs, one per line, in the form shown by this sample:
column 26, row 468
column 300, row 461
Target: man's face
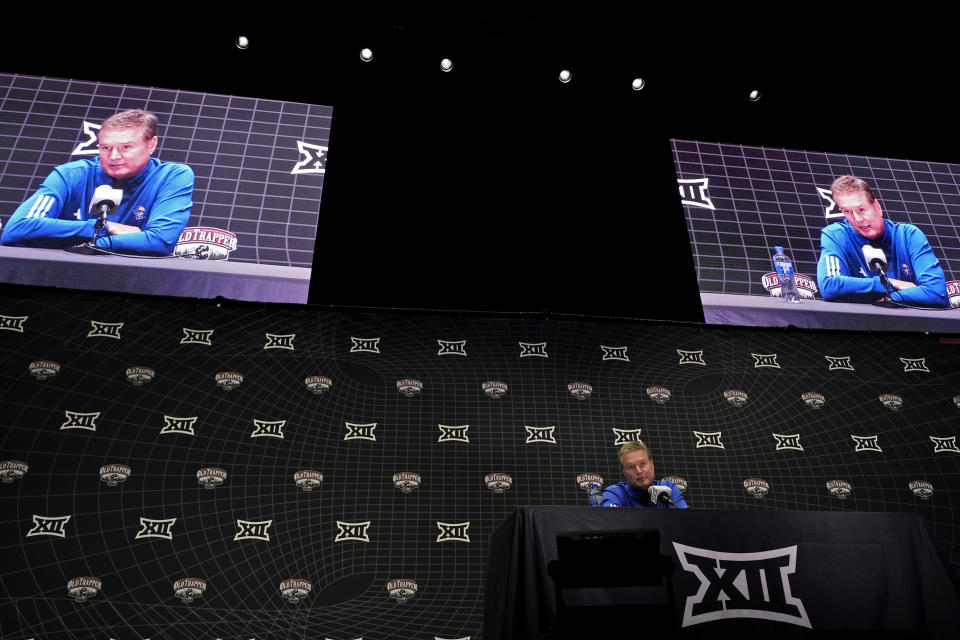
column 637, row 469
column 125, row 152
column 864, row 216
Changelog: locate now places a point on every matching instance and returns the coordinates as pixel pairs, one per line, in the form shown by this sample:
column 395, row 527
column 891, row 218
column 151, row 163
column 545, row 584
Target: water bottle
column 788, row 280
column 595, row 497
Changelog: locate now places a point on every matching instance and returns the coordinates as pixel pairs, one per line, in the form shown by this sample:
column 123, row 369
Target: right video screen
column 874, row 243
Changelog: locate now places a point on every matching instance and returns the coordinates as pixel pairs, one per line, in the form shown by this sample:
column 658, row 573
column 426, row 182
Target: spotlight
column 754, row 95
column 565, row 76
column 446, row 64
column 242, row 42
column 638, row 83
column 366, row 55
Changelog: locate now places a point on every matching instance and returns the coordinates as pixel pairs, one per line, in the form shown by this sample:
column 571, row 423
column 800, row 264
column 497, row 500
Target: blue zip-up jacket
column 623, row 495
column 158, row 200
column 843, row 274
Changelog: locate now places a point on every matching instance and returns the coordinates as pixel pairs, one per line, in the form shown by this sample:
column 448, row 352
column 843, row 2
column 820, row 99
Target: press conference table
column 867, row 573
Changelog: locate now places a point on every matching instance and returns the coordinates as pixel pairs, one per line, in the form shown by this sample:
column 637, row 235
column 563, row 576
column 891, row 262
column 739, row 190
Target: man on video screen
column 149, row 206
column 855, row 251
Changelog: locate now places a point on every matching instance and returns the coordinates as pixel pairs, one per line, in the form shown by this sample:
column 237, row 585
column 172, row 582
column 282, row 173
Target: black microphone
column 660, row 494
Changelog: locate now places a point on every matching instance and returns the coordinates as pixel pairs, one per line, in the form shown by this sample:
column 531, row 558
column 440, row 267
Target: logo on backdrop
column 866, row 443
column 708, row 440
column 831, row 210
column 90, row 146
column 761, row 360
column 83, row 588
column 615, row 353
column 660, row 395
column 580, row 390
column 407, row 481
column 915, row 364
column 494, row 388
column 173, row 424
column 584, row 480
column 205, row 243
column 621, row 436
column 741, row 585
column 921, row 488
column 533, row 349
column 197, row 336
column 409, row 387
column 318, row 384
column 953, row 293
column 364, row 345
column 358, row 531
column 49, row 526
column 757, row 487
column 76, row 420
column 402, row 589
column 150, row 528
column 540, row 434
column 253, row 530
column 691, row 357
column 139, row 376
column 452, row 347
column 228, row 380
column 735, row 397
column 693, row 191
column 498, row 482
column 891, row 401
column 787, row 442
column 11, row 470
column 114, row 474
column 105, row 330
column 268, row 428
column 835, row 363
column 313, row 158
column 806, row 286
column 813, row 399
column 453, row 531
column 189, row 589
column 677, row 480
column 307, row 480
column 944, row 445
column 43, row 369
column 839, row 488
column 956, row 401
column 12, row 323
column 295, row 589
column 278, row 341
column 211, row 477
column 360, row 431
column 453, row 433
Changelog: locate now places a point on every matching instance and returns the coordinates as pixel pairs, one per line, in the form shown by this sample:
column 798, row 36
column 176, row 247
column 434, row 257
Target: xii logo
column 453, row 532
column 253, row 530
column 915, row 364
column 313, row 158
column 197, row 336
column 693, row 192
column 842, row 363
column 866, row 443
column 76, row 420
column 708, row 440
column 364, row 345
column 183, row 426
column 268, row 429
column 944, row 445
column 540, row 434
column 788, row 442
column 452, row 347
column 156, row 528
column 453, row 433
column 765, row 360
column 621, row 436
column 691, row 357
column 49, row 526
column 533, row 350
column 277, row 341
column 12, row 323
column 105, row 330
column 615, row 353
column 358, row 531
column 360, row 431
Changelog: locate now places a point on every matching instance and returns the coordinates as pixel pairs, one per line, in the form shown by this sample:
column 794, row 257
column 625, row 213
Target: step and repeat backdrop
column 174, row 469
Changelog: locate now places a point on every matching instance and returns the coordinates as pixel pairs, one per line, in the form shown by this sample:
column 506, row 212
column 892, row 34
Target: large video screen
column 246, row 231
column 741, row 202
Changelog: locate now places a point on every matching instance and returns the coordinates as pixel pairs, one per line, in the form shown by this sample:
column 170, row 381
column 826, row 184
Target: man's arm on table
column 36, row 222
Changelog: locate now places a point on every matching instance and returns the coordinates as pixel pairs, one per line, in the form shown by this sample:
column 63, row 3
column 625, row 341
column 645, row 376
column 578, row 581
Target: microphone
column 660, row 494
column 875, row 258
column 105, row 199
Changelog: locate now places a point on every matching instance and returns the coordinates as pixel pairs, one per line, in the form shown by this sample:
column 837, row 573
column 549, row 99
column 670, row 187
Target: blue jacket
column 843, row 274
column 158, row 200
column 623, row 495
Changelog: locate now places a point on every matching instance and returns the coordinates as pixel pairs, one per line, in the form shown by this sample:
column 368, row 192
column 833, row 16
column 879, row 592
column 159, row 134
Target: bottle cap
column 778, row 249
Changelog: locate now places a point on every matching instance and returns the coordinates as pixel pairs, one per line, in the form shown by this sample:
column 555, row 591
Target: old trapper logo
column 318, row 384
column 205, row 243
column 11, row 470
column 211, row 477
column 839, row 488
column 228, row 380
column 43, row 369
column 83, row 588
column 114, row 474
column 307, row 480
column 494, row 388
column 295, row 589
column 402, row 589
column 407, row 481
column 735, row 397
column 189, row 589
column 497, row 482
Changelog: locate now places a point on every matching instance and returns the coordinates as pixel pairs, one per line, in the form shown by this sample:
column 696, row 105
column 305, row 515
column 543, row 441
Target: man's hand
column 900, row 284
column 116, row 229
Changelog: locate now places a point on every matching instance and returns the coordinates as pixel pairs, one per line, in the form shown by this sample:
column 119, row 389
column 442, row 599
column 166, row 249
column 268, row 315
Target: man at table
column 636, row 462
column 153, row 210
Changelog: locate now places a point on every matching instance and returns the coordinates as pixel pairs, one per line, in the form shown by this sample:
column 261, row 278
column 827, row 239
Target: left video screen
column 159, row 191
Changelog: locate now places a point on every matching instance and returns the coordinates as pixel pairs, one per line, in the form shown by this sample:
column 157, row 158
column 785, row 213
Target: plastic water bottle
column 595, row 497
column 788, row 280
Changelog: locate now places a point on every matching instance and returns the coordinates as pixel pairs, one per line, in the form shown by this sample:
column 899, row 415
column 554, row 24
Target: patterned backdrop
column 157, row 454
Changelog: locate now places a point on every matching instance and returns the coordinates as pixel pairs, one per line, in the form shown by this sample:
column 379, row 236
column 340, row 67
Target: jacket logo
column 84, row 588
column 295, row 589
column 173, row 424
column 891, row 401
column 813, row 399
column 12, row 323
column 307, row 480
column 318, row 384
column 452, row 348
column 693, row 191
column 498, row 482
column 944, row 445
column 839, row 488
column 735, row 397
column 757, row 487
column 278, row 341
column 358, row 531
column 268, row 428
column 921, row 488
column 105, row 330
column 197, row 336
column 615, row 353
column 114, row 474
column 625, row 435
column 365, row 345
column 189, row 589
column 453, row 532
column 866, row 443
column 787, row 442
column 915, row 364
column 540, row 434
column 835, row 363
column 453, row 433
column 11, row 470
column 402, row 589
column 533, row 350
column 409, row 387
column 765, row 360
column 76, row 420
column 49, row 526
column 139, row 376
column 211, row 477
column 156, row 529
column 584, row 480
column 691, row 357
column 43, row 369
column 494, row 388
column 660, row 395
column 228, row 380
column 313, row 158
column 360, row 431
column 407, row 481
column 708, row 440
column 741, row 585
column 253, row 530
column 580, row 390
